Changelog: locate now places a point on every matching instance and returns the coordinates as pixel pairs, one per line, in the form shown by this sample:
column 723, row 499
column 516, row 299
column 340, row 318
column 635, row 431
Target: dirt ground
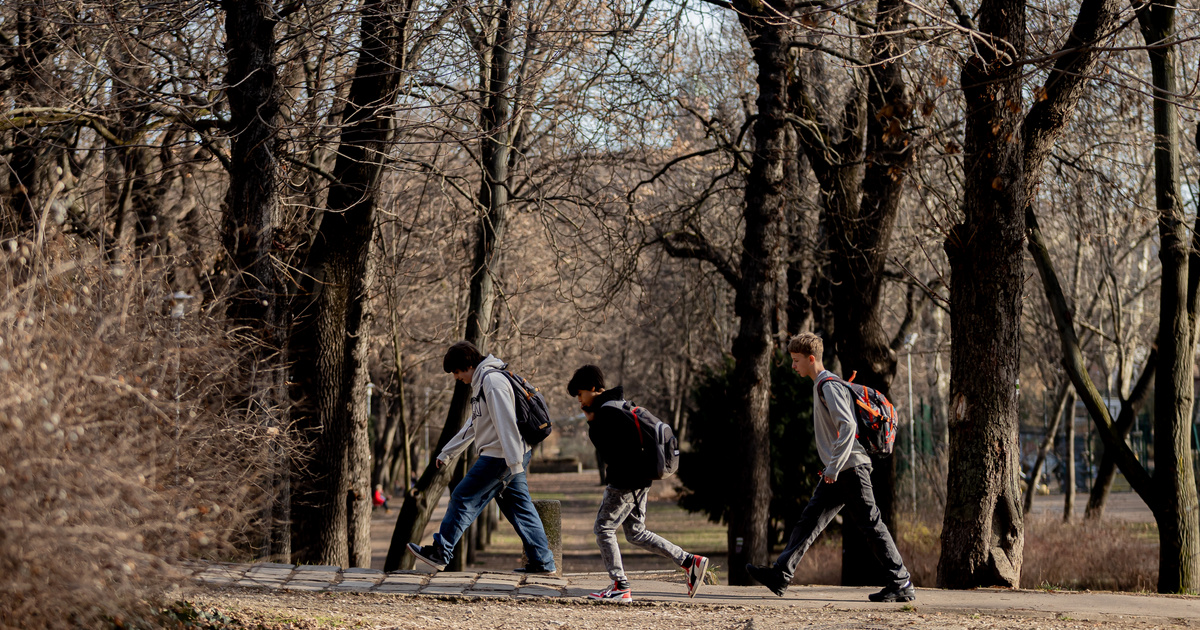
column 306, row 611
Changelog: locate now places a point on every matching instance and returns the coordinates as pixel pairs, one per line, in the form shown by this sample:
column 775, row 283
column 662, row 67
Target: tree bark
column 493, row 219
column 333, row 507
column 982, row 532
column 761, row 268
column 1178, row 518
column 256, row 292
column 863, row 204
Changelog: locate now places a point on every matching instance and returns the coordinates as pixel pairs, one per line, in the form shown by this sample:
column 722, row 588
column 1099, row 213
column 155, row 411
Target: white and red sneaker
column 613, row 593
column 695, row 574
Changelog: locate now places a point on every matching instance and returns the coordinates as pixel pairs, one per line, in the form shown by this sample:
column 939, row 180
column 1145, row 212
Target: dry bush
column 118, row 458
column 1109, row 555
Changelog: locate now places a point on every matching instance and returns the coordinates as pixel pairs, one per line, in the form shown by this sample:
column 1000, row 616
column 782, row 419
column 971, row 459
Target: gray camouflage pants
column 628, row 508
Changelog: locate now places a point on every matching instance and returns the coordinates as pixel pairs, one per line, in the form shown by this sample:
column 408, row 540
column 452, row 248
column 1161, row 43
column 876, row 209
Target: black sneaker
column 429, row 555
column 893, row 593
column 769, row 577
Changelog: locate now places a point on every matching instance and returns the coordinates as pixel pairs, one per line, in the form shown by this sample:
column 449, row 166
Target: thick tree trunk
column 982, row 532
column 864, row 236
column 333, row 504
column 493, row 207
column 1178, row 518
column 256, row 291
column 763, row 249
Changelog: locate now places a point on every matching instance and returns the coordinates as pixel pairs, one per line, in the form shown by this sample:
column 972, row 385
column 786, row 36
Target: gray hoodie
column 834, row 428
column 493, row 422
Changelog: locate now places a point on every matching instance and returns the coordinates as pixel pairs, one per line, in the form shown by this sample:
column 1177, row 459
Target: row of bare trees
column 351, row 185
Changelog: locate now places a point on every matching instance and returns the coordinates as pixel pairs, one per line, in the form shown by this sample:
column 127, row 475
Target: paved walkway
column 668, row 587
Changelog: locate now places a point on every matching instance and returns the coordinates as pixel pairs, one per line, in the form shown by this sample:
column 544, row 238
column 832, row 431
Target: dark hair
column 586, row 378
column 461, row 357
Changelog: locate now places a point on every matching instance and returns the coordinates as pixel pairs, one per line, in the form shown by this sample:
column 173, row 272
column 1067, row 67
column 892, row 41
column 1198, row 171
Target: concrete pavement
column 668, row 587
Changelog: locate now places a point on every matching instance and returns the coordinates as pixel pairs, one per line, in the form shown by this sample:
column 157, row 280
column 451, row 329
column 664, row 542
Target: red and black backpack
column 873, row 412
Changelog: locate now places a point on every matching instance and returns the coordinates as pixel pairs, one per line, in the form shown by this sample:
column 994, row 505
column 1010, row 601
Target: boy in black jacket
column 614, row 433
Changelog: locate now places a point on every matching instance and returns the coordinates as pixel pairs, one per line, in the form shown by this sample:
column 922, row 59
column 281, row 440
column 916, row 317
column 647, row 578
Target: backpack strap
column 821, row 385
column 625, row 405
column 489, row 373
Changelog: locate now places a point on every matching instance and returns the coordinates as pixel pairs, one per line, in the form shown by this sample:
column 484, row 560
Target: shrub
column 117, row 456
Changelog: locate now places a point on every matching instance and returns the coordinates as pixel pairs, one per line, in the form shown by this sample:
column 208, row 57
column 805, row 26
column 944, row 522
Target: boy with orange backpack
column 846, row 480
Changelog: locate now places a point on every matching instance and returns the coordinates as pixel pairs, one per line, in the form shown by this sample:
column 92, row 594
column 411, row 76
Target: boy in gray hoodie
column 499, row 472
column 846, row 481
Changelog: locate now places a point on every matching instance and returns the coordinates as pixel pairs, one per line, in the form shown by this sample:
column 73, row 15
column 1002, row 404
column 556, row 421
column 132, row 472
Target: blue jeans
column 481, row 484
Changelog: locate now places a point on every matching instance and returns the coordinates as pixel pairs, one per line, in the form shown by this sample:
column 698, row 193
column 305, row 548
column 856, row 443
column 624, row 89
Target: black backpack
column 659, row 446
column 873, row 413
column 533, row 416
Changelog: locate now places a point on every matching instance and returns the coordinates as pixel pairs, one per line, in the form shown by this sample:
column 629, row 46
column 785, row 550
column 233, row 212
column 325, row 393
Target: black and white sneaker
column 893, row 593
column 769, row 577
column 695, row 574
column 429, row 555
column 613, row 593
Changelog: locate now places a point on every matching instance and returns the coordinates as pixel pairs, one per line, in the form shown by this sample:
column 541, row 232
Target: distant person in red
column 379, row 500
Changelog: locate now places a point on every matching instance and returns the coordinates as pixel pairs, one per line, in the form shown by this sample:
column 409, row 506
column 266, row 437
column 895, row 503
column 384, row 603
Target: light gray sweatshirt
column 834, row 428
column 493, row 422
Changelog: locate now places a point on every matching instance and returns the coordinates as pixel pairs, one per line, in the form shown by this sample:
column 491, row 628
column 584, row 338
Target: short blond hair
column 807, row 344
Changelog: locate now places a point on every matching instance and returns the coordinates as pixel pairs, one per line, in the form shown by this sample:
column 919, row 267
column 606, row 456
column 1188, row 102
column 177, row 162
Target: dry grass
column 1109, row 555
column 117, row 455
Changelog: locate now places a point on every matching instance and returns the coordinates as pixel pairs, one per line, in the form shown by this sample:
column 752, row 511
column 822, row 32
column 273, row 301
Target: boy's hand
column 825, row 478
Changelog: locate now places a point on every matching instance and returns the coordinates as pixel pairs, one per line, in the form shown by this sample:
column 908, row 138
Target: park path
column 664, row 587
column 655, row 584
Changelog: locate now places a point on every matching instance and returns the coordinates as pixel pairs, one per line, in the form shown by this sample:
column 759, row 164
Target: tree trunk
column 1174, row 478
column 35, row 43
column 1043, row 124
column 384, row 442
column 333, row 506
column 1065, row 398
column 982, row 532
column 493, row 207
column 860, row 241
column 763, row 252
column 256, row 292
column 1069, row 477
column 1148, row 488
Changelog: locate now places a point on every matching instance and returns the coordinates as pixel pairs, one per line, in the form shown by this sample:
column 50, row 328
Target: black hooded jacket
column 615, row 437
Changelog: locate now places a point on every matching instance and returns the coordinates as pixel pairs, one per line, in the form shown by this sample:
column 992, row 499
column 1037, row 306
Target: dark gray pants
column 627, row 509
column 853, row 491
